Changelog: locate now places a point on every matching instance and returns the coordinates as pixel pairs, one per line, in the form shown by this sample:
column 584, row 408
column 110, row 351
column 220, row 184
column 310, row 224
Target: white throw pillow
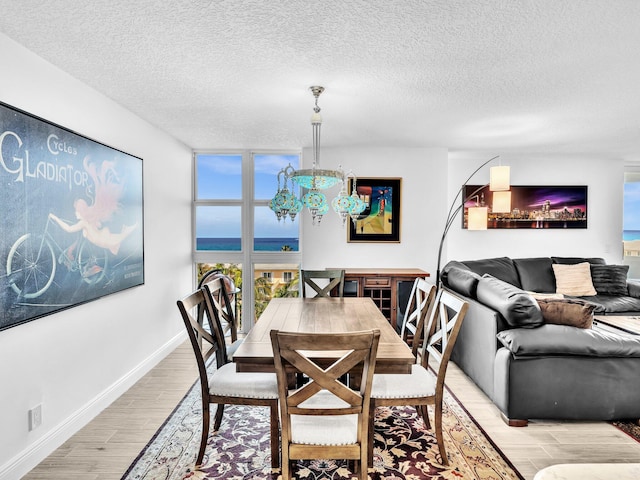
column 574, row 280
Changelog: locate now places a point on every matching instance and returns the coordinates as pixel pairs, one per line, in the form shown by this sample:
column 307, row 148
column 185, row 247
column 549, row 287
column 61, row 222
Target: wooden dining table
column 317, row 315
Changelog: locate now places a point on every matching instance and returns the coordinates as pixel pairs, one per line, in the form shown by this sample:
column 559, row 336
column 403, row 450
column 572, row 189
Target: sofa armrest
column 515, row 305
column 476, row 345
column 634, row 288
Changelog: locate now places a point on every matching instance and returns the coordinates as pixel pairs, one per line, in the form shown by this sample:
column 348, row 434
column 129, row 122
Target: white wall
column 423, row 197
column 428, row 188
column 76, row 362
column 603, row 237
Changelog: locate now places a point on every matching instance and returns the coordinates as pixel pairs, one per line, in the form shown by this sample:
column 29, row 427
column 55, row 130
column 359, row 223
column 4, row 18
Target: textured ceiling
column 528, row 76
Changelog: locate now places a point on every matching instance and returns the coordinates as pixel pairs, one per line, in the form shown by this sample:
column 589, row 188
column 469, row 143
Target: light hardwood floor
column 105, row 448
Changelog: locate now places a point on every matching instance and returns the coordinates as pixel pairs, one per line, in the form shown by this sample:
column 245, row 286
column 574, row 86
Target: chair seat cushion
column 226, row 381
column 419, row 383
column 324, row 429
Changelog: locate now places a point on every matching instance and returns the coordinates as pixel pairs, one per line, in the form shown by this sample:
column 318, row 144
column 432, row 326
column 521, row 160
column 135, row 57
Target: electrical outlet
column 35, row 417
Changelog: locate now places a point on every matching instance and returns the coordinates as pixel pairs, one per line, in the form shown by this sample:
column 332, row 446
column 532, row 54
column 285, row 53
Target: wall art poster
column 380, row 221
column 71, row 218
column 533, row 207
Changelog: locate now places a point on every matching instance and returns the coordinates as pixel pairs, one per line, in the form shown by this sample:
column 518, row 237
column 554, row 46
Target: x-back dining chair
column 335, row 278
column 324, row 419
column 214, row 287
column 228, row 318
column 220, row 383
column 418, row 307
column 422, row 387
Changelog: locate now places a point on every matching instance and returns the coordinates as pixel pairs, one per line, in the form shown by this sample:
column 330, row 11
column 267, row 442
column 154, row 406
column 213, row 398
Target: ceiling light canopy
column 314, row 179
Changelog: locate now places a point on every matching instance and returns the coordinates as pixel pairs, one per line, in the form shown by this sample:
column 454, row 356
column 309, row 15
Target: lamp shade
column 477, row 218
column 499, row 178
column 501, row 202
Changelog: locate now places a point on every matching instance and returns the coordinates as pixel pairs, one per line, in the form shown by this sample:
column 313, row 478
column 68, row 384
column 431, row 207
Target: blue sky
column 631, row 217
column 220, row 177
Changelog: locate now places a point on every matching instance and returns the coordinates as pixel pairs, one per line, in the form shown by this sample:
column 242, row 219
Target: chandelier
column 285, row 203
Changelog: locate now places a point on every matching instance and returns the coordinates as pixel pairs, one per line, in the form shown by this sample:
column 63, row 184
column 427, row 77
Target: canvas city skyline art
column 533, row 207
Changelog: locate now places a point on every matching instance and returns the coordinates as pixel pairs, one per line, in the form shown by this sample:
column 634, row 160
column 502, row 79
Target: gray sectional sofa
column 532, row 368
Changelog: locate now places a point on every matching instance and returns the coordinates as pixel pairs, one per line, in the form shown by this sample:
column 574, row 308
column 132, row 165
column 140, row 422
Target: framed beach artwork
column 533, row 207
column 380, row 221
column 72, row 218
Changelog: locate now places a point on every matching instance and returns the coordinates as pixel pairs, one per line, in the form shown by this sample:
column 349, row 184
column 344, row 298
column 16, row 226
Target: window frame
column 247, row 257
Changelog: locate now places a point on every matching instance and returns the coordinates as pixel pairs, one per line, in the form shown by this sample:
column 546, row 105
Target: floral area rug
column 630, row 427
column 403, row 449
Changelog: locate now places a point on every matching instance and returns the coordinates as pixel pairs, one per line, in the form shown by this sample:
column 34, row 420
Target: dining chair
column 327, row 281
column 334, row 277
column 219, row 382
column 324, row 419
column 215, row 287
column 423, row 387
column 418, row 306
column 228, row 319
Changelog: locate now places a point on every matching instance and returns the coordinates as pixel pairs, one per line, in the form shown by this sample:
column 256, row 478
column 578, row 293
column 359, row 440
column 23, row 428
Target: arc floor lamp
column 499, row 184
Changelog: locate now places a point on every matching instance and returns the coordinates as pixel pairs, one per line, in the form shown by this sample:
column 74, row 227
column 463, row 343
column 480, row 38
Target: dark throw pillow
column 610, row 279
column 536, row 274
column 572, row 312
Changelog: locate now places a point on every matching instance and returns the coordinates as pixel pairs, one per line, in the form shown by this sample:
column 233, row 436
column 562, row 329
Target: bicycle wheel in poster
column 31, row 265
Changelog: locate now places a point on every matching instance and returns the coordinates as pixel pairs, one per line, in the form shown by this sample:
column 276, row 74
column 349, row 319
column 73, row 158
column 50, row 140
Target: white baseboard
column 26, row 460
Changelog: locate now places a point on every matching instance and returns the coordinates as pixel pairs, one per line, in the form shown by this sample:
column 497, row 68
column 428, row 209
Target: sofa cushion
column 574, row 260
column 610, row 279
column 573, row 279
column 518, row 308
column 501, row 268
column 614, row 304
column 634, row 288
column 536, row 274
column 462, row 280
column 568, row 311
column 566, row 340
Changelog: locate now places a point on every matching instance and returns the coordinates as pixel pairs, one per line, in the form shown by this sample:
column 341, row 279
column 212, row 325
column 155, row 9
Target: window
column 631, row 222
column 271, row 234
column 287, row 276
column 218, row 196
column 234, row 226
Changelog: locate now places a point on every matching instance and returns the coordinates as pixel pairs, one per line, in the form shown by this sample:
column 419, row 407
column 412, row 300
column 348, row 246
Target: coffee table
column 625, row 324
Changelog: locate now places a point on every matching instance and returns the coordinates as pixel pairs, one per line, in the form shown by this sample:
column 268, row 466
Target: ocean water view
column 260, row 244
column 628, row 235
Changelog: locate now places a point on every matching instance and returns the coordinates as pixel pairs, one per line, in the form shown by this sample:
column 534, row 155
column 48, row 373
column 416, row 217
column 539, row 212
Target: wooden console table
column 389, row 288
